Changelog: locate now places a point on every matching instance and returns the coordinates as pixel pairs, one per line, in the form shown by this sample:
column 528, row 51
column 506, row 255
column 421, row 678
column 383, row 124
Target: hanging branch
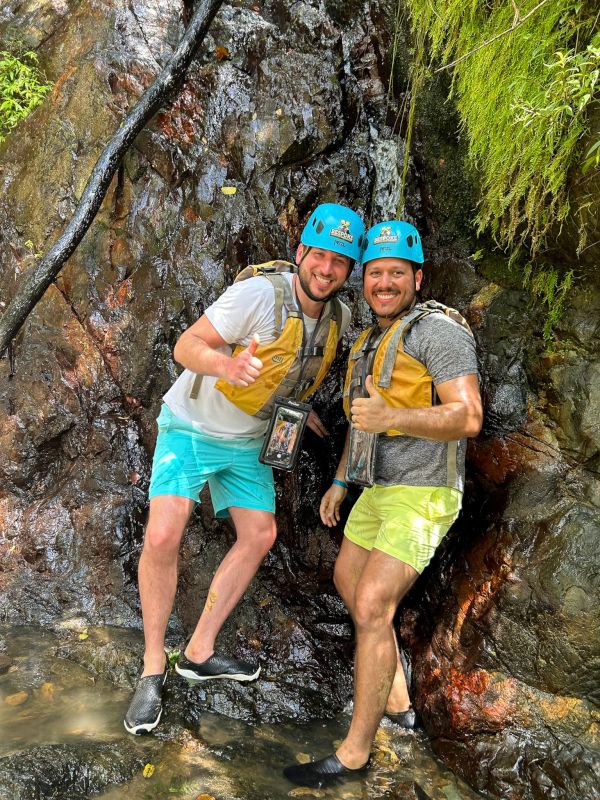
column 517, row 22
column 170, row 78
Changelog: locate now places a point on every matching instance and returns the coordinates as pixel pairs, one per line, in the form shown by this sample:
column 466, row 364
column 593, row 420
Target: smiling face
column 321, row 273
column 390, row 286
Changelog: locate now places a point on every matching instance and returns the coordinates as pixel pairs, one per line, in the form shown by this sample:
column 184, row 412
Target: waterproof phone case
column 362, row 451
column 284, row 435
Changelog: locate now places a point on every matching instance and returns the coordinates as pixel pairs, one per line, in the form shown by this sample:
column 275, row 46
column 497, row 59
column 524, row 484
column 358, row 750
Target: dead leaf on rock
column 148, row 771
column 302, row 758
column 221, row 53
column 47, row 691
column 228, row 189
column 16, row 699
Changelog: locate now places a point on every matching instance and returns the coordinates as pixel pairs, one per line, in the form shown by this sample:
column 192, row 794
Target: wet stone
column 56, row 771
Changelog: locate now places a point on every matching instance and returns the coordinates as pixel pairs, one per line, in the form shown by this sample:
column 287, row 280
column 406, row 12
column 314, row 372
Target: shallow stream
column 62, row 736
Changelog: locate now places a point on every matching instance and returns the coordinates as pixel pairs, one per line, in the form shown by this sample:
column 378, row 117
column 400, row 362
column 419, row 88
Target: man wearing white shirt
column 237, row 357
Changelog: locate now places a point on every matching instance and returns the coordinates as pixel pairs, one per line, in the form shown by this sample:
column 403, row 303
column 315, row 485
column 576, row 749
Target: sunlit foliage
column 22, row 88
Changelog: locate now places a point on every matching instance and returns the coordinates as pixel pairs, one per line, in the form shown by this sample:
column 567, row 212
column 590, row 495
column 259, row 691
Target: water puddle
column 51, row 705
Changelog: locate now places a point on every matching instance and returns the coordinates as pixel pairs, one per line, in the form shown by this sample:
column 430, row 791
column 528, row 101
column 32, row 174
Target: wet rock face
column 286, row 104
column 55, row 770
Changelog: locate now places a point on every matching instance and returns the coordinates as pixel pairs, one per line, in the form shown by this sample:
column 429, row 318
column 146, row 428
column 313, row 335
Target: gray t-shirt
column 448, row 351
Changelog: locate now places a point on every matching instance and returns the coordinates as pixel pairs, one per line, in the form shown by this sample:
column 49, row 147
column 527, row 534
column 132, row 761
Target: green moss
column 496, row 268
column 22, row 88
column 524, row 101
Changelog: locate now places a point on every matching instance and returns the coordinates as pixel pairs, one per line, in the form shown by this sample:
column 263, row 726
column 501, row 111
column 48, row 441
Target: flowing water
column 50, row 706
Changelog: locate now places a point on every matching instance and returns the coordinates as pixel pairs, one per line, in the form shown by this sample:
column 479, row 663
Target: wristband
column 343, row 484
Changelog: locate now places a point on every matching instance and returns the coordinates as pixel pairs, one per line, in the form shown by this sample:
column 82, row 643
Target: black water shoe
column 145, row 709
column 327, row 771
column 216, row 667
column 405, row 719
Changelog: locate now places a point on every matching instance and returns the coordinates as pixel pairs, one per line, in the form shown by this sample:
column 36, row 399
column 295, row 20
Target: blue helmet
column 393, row 239
column 335, row 227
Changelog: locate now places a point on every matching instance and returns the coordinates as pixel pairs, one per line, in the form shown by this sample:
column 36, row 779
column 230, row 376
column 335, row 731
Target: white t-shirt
column 245, row 308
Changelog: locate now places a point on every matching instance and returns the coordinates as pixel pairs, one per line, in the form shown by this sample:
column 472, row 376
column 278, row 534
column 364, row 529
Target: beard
column 405, row 308
column 311, row 295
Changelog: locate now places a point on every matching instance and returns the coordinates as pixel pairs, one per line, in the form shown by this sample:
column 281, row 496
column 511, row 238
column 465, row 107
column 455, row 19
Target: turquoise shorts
column 185, row 459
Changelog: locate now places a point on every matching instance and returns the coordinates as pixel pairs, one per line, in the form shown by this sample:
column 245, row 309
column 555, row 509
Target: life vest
column 403, row 381
column 283, row 358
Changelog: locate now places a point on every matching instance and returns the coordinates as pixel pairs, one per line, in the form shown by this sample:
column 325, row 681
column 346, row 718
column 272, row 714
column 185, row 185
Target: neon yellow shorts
column 406, row 522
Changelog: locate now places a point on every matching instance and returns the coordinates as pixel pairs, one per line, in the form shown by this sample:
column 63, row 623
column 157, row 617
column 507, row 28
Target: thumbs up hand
column 370, row 413
column 244, row 369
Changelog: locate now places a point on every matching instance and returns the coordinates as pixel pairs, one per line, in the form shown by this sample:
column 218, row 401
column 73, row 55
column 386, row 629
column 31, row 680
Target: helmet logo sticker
column 278, row 359
column 386, row 236
column 343, row 231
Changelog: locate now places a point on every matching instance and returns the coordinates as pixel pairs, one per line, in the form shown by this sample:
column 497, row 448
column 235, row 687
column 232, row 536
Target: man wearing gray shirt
column 413, row 380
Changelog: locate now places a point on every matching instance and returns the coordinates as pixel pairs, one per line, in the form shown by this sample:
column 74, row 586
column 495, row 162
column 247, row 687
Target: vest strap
column 194, row 391
column 397, row 335
column 278, row 308
column 336, row 315
column 283, row 298
column 451, row 465
column 307, row 352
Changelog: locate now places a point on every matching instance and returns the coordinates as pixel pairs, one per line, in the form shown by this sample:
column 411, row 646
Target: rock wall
column 288, row 104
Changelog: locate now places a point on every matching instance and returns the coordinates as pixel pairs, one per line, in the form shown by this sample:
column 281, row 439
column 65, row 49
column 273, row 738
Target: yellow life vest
column 283, row 358
column 403, row 381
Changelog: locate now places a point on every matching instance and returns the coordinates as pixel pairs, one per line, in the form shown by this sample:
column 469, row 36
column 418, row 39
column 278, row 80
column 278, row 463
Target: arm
column 196, row 350
column 459, row 415
column 334, row 496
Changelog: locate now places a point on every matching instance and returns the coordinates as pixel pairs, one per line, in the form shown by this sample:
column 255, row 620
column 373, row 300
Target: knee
column 263, row 538
column 372, row 611
column 162, row 540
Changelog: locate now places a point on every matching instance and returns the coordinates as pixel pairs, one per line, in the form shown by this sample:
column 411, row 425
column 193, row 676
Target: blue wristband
column 343, row 484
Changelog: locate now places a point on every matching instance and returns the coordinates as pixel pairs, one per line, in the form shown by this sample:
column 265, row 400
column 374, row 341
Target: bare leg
column 157, row 573
column 349, row 566
column 383, row 582
column 399, row 699
column 255, row 532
